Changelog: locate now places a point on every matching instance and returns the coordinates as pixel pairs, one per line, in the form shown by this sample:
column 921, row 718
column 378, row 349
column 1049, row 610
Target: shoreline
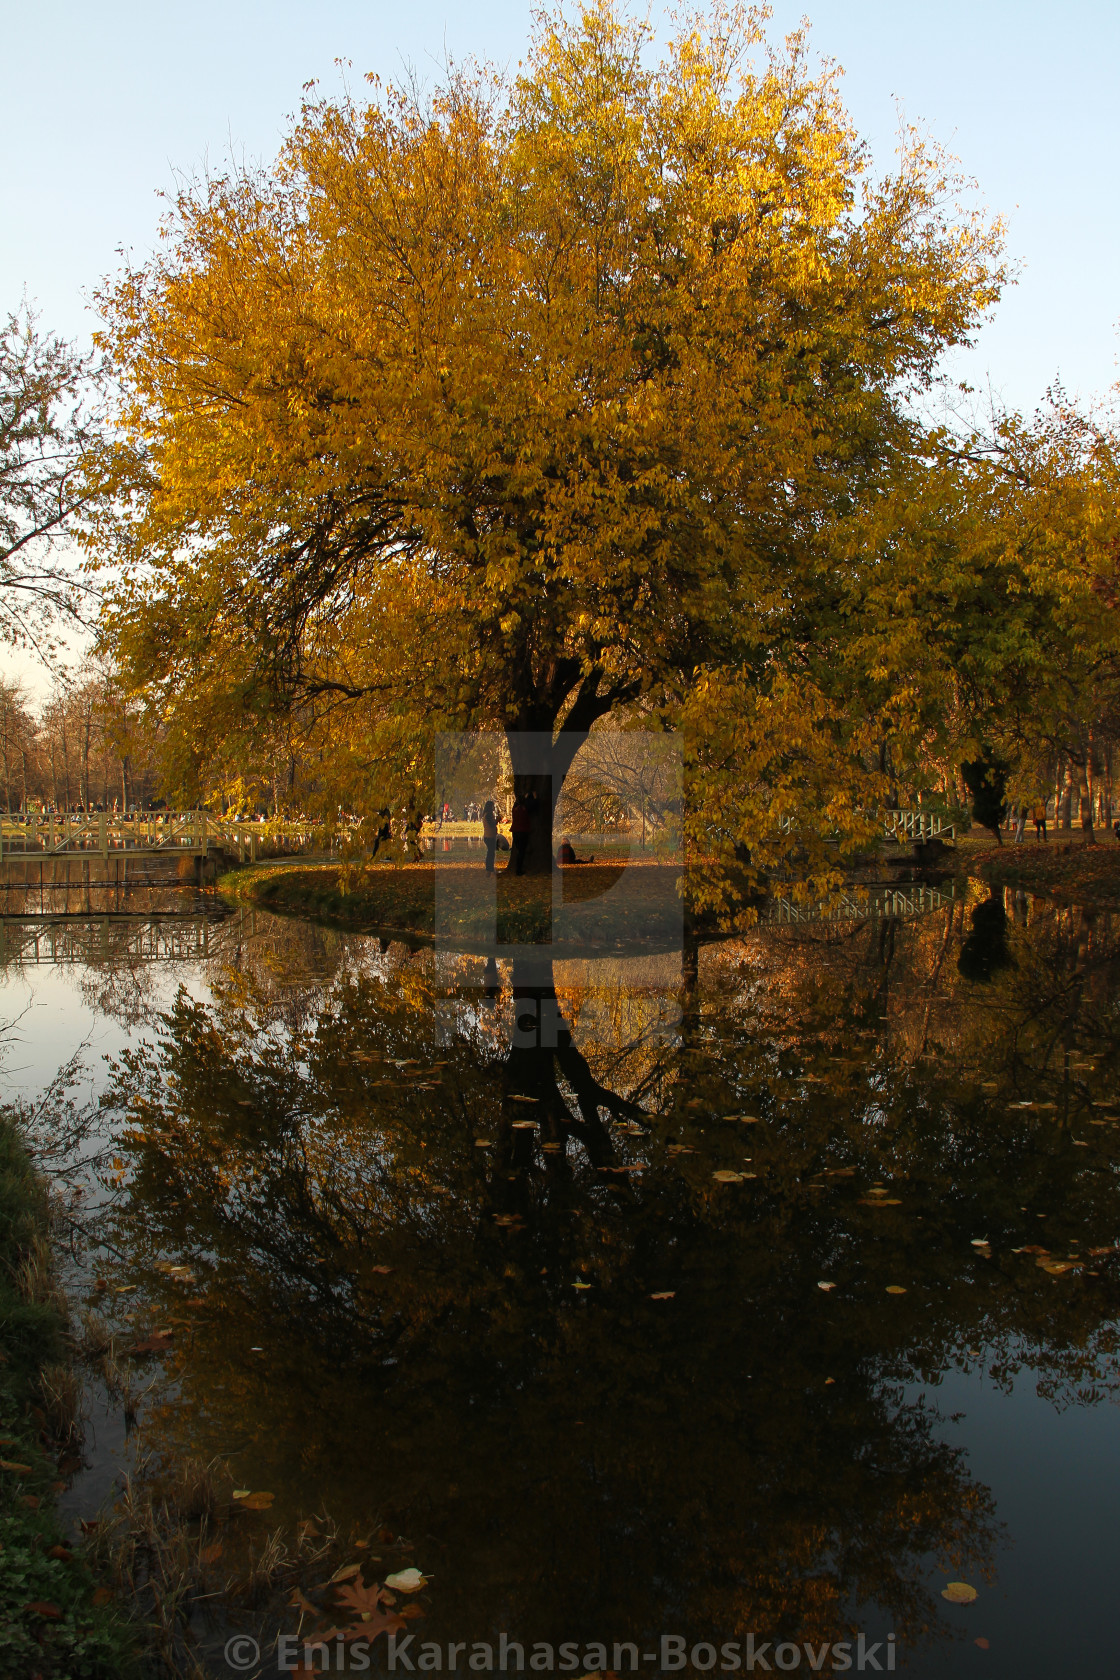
column 61, row 1618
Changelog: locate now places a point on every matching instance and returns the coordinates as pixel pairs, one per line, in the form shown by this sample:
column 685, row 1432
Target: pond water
column 764, row 1294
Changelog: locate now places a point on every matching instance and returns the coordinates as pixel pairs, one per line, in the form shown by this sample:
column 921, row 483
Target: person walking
column 520, row 826
column 1039, row 821
column 489, row 833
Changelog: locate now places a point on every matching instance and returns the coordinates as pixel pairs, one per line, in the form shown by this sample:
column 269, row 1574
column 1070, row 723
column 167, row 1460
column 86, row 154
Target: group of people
column 1037, row 814
column 521, row 822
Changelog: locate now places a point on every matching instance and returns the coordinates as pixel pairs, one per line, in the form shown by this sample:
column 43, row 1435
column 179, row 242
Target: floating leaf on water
column 895, row 1289
column 253, row 1501
column 826, row 1286
column 979, row 1242
column 515, row 1097
column 382, row 1270
column 1057, row 1267
column 484, row 1143
column 578, row 1285
column 663, row 1295
column 880, row 1201
column 552, row 1148
column 726, row 1177
column 523, row 1126
column 406, row 1581
column 959, row 1592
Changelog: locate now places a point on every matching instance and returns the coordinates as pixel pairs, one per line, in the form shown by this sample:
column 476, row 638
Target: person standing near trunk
column 489, row 833
column 1039, row 821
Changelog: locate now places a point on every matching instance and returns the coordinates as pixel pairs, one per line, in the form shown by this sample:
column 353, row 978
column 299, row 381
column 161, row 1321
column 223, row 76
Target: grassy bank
column 1065, row 866
column 401, row 900
column 54, row 1623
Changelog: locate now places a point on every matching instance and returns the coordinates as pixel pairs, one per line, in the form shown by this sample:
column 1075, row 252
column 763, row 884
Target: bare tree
column 46, row 430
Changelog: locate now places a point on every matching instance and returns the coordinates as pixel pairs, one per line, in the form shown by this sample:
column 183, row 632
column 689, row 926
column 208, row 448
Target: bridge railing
column 900, row 825
column 111, row 834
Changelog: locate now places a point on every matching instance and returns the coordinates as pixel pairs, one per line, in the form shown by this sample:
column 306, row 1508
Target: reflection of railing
column 105, row 834
column 877, row 903
column 900, row 825
column 98, row 939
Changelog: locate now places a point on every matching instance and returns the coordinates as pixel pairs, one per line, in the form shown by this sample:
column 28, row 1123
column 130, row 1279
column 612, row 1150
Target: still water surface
column 547, row 1300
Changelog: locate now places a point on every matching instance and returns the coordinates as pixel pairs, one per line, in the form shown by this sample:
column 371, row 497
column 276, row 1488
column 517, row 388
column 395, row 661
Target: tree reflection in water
column 591, row 1462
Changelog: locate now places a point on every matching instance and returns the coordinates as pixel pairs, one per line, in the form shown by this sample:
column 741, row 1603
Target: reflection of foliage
column 579, row 1458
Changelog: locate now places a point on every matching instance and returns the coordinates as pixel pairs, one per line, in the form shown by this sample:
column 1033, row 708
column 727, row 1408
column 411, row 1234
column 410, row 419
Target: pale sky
column 104, row 103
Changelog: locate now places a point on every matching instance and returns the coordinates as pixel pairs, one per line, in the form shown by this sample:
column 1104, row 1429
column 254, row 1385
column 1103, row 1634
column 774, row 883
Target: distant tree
column 45, row 432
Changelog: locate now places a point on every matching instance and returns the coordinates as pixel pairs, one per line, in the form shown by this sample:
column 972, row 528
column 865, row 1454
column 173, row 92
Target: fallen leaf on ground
column 211, row 1554
column 102, row 1595
column 983, row 1644
column 959, row 1592
column 10, row 1464
column 346, row 1573
column 410, row 1612
column 50, row 1612
column 406, row 1580
column 255, row 1501
column 61, row 1553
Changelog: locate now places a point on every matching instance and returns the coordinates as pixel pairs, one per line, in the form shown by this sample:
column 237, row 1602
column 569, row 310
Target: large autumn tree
column 536, row 403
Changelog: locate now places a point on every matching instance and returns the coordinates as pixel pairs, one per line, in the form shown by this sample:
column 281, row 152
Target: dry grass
column 192, row 1567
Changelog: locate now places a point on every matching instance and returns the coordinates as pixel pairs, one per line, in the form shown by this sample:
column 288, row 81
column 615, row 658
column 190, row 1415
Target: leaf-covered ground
column 1066, row 868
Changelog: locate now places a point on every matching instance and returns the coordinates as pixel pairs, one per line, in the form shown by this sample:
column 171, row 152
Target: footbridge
column 106, row 835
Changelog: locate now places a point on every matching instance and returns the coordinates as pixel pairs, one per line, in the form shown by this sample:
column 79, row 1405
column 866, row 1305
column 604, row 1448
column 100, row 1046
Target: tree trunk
column 1063, row 814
